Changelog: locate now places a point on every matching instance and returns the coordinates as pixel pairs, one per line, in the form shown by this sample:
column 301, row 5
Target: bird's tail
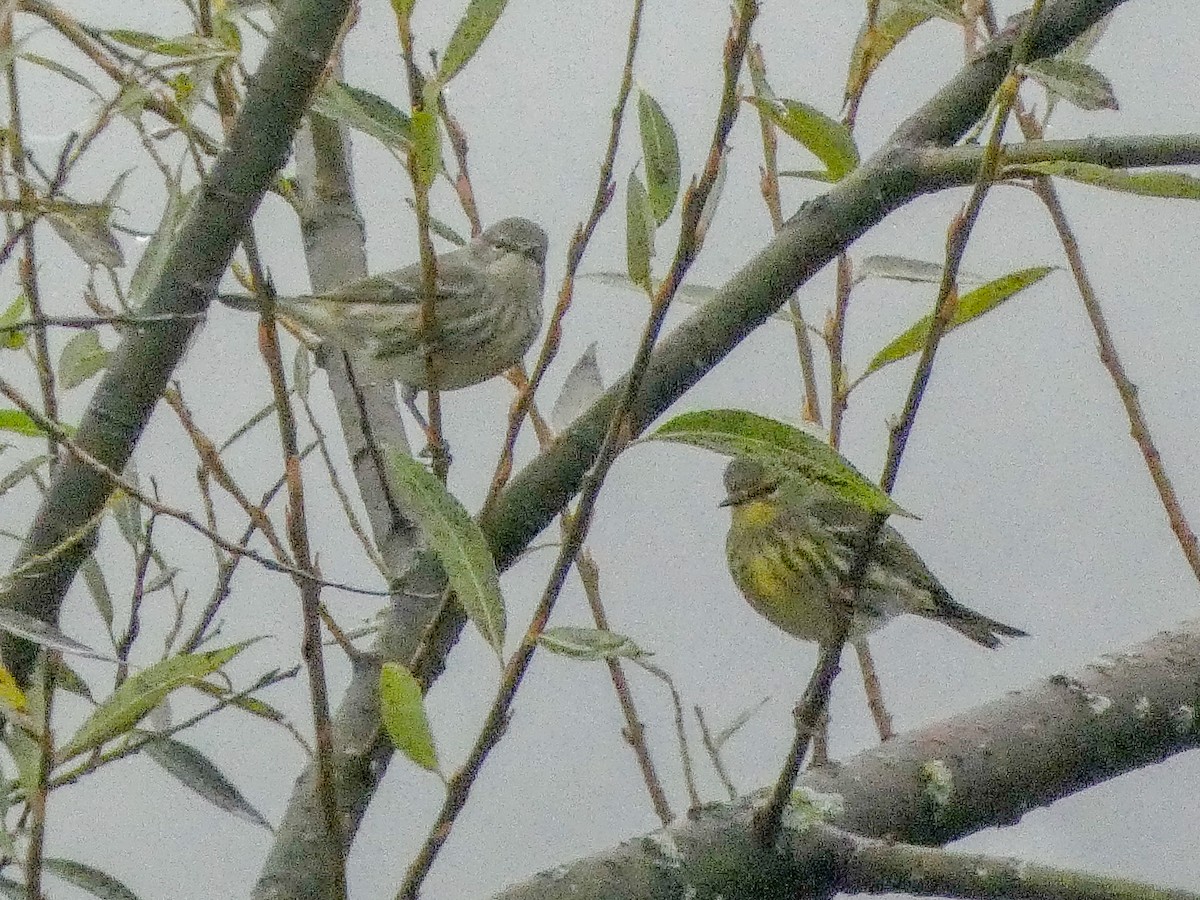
column 976, row 626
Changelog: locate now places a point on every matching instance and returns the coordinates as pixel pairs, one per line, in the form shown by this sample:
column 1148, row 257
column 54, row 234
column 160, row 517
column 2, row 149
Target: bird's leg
column 434, row 446
column 866, row 665
column 820, row 742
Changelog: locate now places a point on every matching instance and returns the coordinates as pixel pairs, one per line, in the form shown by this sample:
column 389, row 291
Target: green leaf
column 825, row 138
column 903, row 268
column 784, row 448
column 81, row 358
column 738, row 723
column 97, row 585
column 18, row 422
column 661, row 152
column 1076, row 82
column 403, row 8
column 184, row 46
column 60, row 69
column 85, row 230
column 138, row 695
column 588, row 643
column 1171, row 185
column 896, row 19
column 970, row 306
column 402, row 709
column 23, row 471
column 473, row 29
column 42, row 633
column 364, row 111
column 92, row 880
column 639, row 233
column 581, row 388
column 198, row 773
column 127, row 513
column 426, row 147
column 154, row 257
column 13, row 340
column 459, row 544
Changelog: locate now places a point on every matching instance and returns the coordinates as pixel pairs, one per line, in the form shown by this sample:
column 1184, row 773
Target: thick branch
column 984, row 767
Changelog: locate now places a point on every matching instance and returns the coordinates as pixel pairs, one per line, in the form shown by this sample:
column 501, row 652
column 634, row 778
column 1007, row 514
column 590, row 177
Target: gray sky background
column 1035, row 505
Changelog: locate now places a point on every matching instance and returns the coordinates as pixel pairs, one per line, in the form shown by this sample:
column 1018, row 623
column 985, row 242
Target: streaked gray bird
column 488, row 312
column 791, row 545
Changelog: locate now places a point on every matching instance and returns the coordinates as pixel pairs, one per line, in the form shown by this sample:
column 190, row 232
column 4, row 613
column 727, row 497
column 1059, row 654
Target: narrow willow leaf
column 738, row 723
column 582, row 386
column 14, row 313
column 127, row 513
column 639, row 233
column 970, row 306
column 825, row 138
column 713, row 200
column 588, row 643
column 896, row 19
column 903, row 268
column 364, row 111
column 60, row 69
column 19, row 423
column 85, row 230
column 93, row 577
column 785, row 448
column 1076, row 82
column 198, row 773
column 459, row 544
column 473, row 29
column 81, row 358
column 138, row 695
column 660, row 150
column 402, row 709
column 43, row 633
column 160, row 581
column 69, row 680
column 426, row 147
column 97, row 883
column 1171, row 185
column 182, row 47
column 154, row 257
column 23, row 471
column 252, row 705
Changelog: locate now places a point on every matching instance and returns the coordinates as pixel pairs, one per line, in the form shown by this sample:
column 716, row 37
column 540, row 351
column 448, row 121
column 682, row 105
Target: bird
column 792, row 543
column 487, row 312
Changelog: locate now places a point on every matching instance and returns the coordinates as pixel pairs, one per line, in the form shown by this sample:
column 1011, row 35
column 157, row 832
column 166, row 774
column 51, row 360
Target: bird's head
column 517, row 235
column 746, row 480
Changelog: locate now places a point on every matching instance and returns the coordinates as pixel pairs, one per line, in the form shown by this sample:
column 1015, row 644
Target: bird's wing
column 457, row 276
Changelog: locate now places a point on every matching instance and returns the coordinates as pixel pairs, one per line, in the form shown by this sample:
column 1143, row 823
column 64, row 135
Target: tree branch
column 985, row 767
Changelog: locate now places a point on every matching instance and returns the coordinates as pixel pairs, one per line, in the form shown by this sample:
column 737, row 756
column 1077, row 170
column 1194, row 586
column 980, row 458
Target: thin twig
column 634, row 731
column 714, row 754
column 566, row 293
column 150, row 503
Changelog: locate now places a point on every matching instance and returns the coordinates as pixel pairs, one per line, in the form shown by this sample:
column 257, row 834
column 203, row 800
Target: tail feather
column 976, row 626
